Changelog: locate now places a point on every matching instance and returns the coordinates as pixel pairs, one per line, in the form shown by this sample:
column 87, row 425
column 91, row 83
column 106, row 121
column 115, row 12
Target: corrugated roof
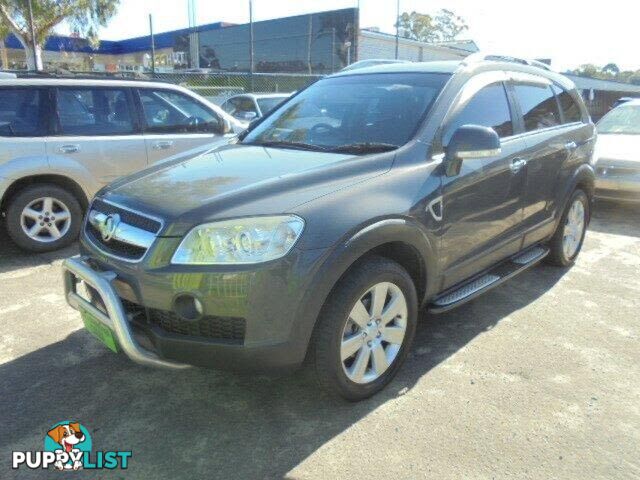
column 587, row 83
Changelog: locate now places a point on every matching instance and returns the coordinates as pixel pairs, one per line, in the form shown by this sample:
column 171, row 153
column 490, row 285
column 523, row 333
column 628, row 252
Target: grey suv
column 63, row 139
column 323, row 231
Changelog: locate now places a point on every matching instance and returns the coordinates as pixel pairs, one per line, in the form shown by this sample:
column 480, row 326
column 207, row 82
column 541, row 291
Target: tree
column 4, row 33
column 441, row 27
column 84, row 17
column 611, row 69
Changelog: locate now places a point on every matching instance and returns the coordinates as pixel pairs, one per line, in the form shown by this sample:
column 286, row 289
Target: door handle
column 164, row 145
column 518, row 164
column 69, row 148
column 571, row 146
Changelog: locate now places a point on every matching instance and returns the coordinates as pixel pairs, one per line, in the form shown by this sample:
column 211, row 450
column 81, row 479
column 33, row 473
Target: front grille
column 128, row 246
column 218, row 328
column 113, row 246
column 127, row 216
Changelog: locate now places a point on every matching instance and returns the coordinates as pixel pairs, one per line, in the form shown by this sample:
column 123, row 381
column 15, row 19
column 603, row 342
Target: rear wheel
column 43, row 218
column 566, row 242
column 365, row 329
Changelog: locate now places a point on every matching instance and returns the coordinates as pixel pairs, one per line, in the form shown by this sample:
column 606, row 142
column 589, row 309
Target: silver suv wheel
column 374, row 333
column 45, row 219
column 573, row 229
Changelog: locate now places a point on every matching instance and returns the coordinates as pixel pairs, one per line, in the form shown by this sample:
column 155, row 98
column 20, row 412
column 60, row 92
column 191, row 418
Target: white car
column 62, row 139
column 617, row 153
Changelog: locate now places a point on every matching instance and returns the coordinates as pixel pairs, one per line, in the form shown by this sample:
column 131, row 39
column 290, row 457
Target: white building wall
column 376, row 45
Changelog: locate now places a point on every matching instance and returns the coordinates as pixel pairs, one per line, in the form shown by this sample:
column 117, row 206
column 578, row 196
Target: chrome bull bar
column 116, row 318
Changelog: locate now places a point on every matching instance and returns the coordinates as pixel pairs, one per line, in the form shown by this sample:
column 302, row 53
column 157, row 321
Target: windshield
column 376, row 110
column 623, row 119
column 268, row 104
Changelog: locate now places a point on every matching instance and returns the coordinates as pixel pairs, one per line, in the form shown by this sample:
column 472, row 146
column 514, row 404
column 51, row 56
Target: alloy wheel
column 374, row 333
column 573, row 229
column 45, row 219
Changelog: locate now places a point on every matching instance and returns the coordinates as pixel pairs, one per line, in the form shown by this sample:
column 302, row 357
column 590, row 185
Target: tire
column 335, row 325
column 558, row 255
column 55, row 233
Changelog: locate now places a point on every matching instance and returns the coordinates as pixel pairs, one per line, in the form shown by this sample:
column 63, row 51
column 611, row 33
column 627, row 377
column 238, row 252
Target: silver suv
column 61, row 140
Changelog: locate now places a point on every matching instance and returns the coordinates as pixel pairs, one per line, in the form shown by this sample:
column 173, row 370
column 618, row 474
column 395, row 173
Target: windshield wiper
column 286, row 144
column 365, row 147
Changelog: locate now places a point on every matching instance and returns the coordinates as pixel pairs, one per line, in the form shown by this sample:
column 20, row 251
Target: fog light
column 188, row 307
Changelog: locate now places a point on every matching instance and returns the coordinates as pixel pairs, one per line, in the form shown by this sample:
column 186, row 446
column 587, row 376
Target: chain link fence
column 214, row 86
column 218, row 86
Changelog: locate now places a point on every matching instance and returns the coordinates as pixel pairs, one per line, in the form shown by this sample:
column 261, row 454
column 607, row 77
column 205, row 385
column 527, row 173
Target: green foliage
column 441, row 27
column 84, row 17
column 609, row 72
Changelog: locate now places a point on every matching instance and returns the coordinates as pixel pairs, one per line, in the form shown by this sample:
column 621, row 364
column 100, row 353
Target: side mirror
column 226, row 127
column 467, row 142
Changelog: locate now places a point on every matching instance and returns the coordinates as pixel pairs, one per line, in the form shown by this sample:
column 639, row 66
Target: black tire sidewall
column 348, row 291
column 22, row 199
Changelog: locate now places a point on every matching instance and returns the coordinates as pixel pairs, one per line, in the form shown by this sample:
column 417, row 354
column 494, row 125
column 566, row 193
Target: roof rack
column 479, row 57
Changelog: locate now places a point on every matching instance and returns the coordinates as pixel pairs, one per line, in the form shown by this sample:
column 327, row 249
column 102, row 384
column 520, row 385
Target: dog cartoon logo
column 72, row 439
column 68, row 446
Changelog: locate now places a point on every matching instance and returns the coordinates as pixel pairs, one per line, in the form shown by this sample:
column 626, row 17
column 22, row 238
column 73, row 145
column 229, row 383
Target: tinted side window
column 488, row 108
column 20, row 112
column 538, row 105
column 94, row 112
column 171, row 112
column 570, row 108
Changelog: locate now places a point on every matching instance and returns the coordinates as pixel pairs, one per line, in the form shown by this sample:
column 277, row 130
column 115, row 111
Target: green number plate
column 99, row 330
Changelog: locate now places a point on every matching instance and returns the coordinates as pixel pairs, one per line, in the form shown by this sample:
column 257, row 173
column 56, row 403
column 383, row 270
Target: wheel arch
column 402, row 240
column 583, row 178
column 60, row 180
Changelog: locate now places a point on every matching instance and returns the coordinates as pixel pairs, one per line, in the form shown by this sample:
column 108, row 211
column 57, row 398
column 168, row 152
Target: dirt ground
column 538, row 379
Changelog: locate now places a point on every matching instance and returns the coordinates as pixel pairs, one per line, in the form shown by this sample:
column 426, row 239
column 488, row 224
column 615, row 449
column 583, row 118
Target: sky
column 569, row 32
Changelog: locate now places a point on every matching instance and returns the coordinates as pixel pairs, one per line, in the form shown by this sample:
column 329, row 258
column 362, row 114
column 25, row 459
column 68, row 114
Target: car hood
column 617, row 147
column 239, row 180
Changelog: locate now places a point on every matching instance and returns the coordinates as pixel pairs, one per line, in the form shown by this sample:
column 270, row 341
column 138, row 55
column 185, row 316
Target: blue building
column 315, row 43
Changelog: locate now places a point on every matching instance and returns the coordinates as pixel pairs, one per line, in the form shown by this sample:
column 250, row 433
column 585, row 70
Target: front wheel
column 365, row 329
column 43, row 218
column 566, row 242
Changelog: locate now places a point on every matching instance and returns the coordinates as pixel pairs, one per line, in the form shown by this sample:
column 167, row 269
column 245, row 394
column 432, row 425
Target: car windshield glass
column 371, row 109
column 268, row 104
column 624, row 119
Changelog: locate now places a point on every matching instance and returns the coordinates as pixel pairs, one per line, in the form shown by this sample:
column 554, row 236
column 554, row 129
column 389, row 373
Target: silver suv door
column 96, row 133
column 23, row 124
column 175, row 123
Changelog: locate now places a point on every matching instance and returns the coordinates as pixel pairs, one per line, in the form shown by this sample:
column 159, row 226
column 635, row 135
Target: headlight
column 244, row 240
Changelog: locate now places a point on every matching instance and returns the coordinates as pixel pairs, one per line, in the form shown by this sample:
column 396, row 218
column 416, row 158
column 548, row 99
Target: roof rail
column 480, row 56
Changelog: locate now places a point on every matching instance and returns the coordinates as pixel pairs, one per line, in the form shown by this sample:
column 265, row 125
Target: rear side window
column 93, row 112
column 488, row 108
column 172, row 112
column 538, row 105
column 570, row 108
column 21, row 113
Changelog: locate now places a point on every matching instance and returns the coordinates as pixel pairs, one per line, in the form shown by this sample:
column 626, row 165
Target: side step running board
column 462, row 293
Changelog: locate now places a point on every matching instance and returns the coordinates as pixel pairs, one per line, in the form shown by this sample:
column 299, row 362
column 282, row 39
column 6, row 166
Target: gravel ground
column 537, row 379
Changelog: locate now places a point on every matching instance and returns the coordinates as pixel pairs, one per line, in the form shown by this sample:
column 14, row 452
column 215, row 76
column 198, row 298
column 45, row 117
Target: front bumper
column 115, row 318
column 269, row 298
column 618, row 182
